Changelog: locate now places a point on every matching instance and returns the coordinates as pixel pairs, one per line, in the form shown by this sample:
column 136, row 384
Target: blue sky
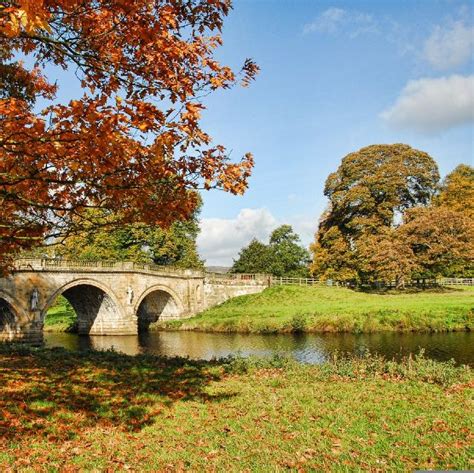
column 335, row 76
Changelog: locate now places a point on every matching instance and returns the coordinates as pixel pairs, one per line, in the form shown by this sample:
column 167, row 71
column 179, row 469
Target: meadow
column 336, row 309
column 105, row 411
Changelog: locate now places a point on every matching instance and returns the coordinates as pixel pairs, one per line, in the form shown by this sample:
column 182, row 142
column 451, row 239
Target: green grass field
column 60, row 317
column 335, row 309
column 103, row 411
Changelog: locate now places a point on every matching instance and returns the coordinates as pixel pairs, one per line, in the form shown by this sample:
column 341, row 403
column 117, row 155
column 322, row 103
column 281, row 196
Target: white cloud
column 221, row 239
column 329, row 21
column 433, row 105
column 449, row 47
column 335, row 20
column 305, row 227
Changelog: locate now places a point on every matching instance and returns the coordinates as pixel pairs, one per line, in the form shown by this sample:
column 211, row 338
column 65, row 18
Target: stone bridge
column 110, row 298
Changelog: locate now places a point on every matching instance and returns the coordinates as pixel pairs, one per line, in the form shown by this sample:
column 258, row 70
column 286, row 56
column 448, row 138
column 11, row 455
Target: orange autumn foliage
column 132, row 143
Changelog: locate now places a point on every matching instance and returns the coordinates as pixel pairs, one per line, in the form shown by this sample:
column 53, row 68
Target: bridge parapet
column 218, row 288
column 67, row 265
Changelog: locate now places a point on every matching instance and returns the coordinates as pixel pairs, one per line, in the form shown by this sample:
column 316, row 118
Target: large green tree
column 283, row 256
column 254, row 258
column 288, row 257
column 137, row 242
column 368, row 195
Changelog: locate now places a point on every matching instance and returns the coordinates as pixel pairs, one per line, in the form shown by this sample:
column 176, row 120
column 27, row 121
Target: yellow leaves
column 168, row 16
column 29, row 17
column 193, row 111
column 216, row 82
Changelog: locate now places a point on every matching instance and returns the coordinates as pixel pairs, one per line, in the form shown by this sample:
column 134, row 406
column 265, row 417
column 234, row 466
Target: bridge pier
column 17, row 326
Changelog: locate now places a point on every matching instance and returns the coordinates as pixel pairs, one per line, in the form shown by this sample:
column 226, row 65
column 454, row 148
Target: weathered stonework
column 110, row 298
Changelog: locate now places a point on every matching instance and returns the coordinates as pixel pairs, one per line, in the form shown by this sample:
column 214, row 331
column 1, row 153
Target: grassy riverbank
column 333, row 309
column 97, row 411
column 60, row 317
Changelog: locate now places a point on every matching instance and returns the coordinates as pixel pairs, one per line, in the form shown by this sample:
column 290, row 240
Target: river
column 307, row 348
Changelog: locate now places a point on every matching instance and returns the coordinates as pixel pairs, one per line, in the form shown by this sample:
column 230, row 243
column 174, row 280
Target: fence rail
column 275, row 281
column 430, row 282
column 457, row 281
column 280, row 281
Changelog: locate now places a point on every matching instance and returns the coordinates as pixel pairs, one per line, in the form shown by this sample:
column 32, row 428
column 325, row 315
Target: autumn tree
column 132, row 143
column 441, row 240
column 368, row 195
column 333, row 257
column 457, row 190
column 283, row 256
column 386, row 256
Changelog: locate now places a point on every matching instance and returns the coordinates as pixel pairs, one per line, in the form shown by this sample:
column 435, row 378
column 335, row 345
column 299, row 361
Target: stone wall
column 220, row 289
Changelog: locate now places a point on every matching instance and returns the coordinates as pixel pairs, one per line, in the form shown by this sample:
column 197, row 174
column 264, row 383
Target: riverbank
column 284, row 309
column 318, row 309
column 74, row 411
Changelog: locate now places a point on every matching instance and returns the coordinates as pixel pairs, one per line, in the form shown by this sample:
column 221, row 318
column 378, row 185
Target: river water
column 308, row 348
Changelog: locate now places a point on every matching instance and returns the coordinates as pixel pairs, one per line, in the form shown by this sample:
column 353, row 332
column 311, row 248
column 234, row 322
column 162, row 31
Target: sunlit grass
column 106, row 411
column 60, row 317
column 335, row 309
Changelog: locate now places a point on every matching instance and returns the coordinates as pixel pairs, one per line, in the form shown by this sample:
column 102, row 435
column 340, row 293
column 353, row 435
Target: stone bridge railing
column 66, row 265
column 53, row 264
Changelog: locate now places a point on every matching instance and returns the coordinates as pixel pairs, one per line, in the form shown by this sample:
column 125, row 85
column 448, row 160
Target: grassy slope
column 60, row 316
column 105, row 411
column 332, row 309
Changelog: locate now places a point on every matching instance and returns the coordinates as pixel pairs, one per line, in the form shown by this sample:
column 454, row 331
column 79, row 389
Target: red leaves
column 119, row 152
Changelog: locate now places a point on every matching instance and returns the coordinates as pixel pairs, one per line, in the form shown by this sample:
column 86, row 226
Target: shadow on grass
column 56, row 393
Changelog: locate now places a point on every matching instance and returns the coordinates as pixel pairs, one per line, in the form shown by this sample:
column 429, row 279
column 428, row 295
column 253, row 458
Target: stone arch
column 97, row 307
column 10, row 317
column 157, row 303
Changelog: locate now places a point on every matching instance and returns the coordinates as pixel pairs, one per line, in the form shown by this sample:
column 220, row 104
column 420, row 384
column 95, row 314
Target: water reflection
column 308, row 348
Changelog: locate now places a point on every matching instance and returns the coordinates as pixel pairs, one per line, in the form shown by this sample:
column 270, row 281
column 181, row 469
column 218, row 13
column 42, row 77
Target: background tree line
column 389, row 218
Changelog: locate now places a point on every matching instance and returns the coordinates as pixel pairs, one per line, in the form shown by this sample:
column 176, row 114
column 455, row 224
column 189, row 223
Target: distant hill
column 218, row 269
